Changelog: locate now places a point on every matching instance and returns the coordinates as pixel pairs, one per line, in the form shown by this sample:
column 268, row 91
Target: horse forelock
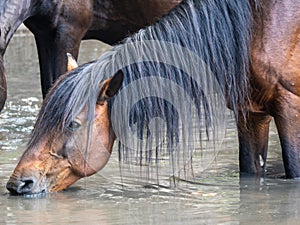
column 65, row 100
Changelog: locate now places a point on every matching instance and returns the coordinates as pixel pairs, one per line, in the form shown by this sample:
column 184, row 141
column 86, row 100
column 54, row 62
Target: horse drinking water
column 247, row 51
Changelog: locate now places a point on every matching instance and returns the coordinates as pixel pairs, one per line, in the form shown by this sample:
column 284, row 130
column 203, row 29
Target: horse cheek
column 102, row 140
column 98, row 156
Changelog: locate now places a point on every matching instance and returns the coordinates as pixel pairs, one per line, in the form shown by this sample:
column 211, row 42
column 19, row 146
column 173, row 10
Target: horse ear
column 72, row 64
column 110, row 87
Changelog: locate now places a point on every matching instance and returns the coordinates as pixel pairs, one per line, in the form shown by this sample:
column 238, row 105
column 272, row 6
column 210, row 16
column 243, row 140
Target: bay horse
column 184, row 66
column 59, row 26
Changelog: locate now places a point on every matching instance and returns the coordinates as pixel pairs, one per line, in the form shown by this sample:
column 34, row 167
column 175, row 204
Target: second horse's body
column 59, row 26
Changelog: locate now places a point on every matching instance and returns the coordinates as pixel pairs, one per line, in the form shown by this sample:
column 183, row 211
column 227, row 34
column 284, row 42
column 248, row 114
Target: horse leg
column 57, row 37
column 287, row 118
column 12, row 14
column 253, row 132
column 53, row 58
column 3, row 87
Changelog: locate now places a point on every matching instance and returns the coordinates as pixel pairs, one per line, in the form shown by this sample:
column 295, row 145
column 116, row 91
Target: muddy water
column 215, row 196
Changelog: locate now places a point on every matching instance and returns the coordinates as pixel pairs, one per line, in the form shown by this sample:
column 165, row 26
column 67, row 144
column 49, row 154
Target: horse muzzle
column 23, row 186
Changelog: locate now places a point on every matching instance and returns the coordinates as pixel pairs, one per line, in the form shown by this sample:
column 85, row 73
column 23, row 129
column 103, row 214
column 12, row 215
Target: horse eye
column 73, row 126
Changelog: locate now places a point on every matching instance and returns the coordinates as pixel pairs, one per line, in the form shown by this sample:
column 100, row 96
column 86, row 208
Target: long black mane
column 201, row 48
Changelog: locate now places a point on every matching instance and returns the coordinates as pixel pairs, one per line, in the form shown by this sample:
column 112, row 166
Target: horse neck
column 219, row 32
column 12, row 14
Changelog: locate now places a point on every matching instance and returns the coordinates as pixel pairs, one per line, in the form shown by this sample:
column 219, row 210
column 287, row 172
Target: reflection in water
column 217, row 195
column 269, row 201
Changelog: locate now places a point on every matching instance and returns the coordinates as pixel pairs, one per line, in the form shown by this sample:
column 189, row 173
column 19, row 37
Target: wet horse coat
column 252, row 49
column 275, row 86
column 59, row 26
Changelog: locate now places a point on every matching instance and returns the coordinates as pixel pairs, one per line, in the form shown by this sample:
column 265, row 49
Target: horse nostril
column 27, row 186
column 21, row 186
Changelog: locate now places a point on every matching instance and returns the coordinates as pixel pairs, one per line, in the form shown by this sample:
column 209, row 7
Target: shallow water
column 215, row 196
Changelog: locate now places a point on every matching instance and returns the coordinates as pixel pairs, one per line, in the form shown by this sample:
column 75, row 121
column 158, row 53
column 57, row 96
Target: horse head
column 60, row 157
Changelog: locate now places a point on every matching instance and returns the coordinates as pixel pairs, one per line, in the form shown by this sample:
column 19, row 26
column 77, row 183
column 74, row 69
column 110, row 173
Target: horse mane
column 181, row 66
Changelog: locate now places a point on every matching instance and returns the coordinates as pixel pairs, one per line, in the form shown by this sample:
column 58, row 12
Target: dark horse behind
column 247, row 51
column 59, row 26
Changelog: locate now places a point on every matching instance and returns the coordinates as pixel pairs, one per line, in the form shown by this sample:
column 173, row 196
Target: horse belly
column 276, row 56
column 271, row 78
